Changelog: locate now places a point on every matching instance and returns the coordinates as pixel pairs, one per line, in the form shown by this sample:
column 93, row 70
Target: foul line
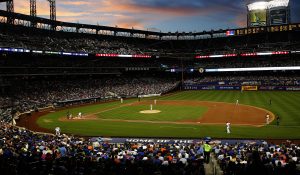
column 109, row 109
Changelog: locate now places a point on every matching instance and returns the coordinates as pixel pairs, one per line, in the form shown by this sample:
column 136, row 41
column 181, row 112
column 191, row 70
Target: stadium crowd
column 25, row 37
column 72, row 44
column 246, row 62
column 267, row 159
column 246, row 80
column 38, row 94
column 26, row 152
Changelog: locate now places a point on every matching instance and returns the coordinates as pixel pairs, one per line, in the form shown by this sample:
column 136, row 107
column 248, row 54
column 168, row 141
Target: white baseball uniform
column 237, row 102
column 267, row 119
column 228, row 127
column 57, row 131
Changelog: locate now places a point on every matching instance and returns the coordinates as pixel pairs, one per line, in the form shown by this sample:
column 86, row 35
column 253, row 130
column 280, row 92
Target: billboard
column 279, row 16
column 258, row 18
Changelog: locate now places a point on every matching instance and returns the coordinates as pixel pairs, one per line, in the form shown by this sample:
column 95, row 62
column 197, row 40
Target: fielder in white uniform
column 228, row 127
column 121, row 100
column 57, row 131
column 237, row 102
column 79, row 115
column 267, row 119
column 155, row 102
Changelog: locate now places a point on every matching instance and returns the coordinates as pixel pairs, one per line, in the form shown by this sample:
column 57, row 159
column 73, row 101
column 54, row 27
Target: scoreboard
column 258, row 18
column 279, row 16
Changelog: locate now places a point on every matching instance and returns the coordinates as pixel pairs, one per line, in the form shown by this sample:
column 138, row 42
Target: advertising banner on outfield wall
column 249, row 88
column 245, row 88
column 279, row 88
column 203, row 87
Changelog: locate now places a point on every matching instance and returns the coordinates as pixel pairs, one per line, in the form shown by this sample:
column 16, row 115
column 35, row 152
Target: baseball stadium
column 80, row 98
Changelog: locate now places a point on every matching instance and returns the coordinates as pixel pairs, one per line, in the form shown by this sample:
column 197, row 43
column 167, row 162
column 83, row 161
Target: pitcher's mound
column 150, row 111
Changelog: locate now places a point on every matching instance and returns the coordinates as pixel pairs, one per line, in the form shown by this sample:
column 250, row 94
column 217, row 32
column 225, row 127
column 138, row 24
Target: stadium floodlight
column 37, row 51
column 216, row 56
column 202, row 56
column 250, row 69
column 278, row 3
column 262, row 5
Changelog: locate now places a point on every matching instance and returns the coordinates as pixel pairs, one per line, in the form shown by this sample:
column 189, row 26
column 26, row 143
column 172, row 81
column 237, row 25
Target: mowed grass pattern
column 168, row 113
column 284, row 104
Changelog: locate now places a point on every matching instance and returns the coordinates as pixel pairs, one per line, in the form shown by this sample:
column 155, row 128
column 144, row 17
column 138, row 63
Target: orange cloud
column 241, row 20
column 76, row 3
column 43, row 9
column 127, row 6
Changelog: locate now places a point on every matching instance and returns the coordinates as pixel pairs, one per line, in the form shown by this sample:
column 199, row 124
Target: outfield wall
column 220, row 87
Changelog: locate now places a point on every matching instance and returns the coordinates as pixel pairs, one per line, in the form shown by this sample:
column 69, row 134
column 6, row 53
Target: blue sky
column 157, row 15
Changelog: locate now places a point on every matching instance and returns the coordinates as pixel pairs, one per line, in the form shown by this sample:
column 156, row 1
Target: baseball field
column 187, row 114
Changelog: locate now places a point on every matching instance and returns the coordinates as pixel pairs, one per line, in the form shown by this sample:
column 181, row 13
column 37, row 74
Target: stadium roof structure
column 59, row 26
column 45, row 21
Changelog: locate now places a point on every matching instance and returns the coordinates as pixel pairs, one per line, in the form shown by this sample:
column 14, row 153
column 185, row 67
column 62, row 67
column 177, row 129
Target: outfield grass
column 284, row 104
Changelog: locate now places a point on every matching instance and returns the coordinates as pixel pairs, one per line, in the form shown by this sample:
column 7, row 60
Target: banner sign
column 244, row 88
column 249, row 88
column 280, row 88
column 172, row 141
column 205, row 87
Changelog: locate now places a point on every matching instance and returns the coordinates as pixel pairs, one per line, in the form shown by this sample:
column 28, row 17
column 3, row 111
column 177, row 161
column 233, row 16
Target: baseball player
column 121, row 100
column 228, row 127
column 267, row 119
column 237, row 102
column 155, row 102
column 79, row 115
column 57, row 131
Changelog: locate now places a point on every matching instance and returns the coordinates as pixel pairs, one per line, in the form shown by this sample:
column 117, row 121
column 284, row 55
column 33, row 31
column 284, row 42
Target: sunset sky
column 155, row 15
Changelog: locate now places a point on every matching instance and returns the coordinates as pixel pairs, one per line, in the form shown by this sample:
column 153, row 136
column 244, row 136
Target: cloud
column 75, row 3
column 240, row 20
column 197, row 15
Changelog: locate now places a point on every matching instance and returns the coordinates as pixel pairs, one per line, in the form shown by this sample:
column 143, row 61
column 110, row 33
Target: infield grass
column 168, row 113
column 284, row 104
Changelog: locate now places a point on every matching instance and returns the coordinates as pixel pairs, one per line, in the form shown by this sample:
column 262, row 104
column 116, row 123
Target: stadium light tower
column 262, row 5
column 33, row 8
column 33, row 11
column 278, row 3
column 52, row 9
column 10, row 5
column 10, row 8
column 52, row 12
